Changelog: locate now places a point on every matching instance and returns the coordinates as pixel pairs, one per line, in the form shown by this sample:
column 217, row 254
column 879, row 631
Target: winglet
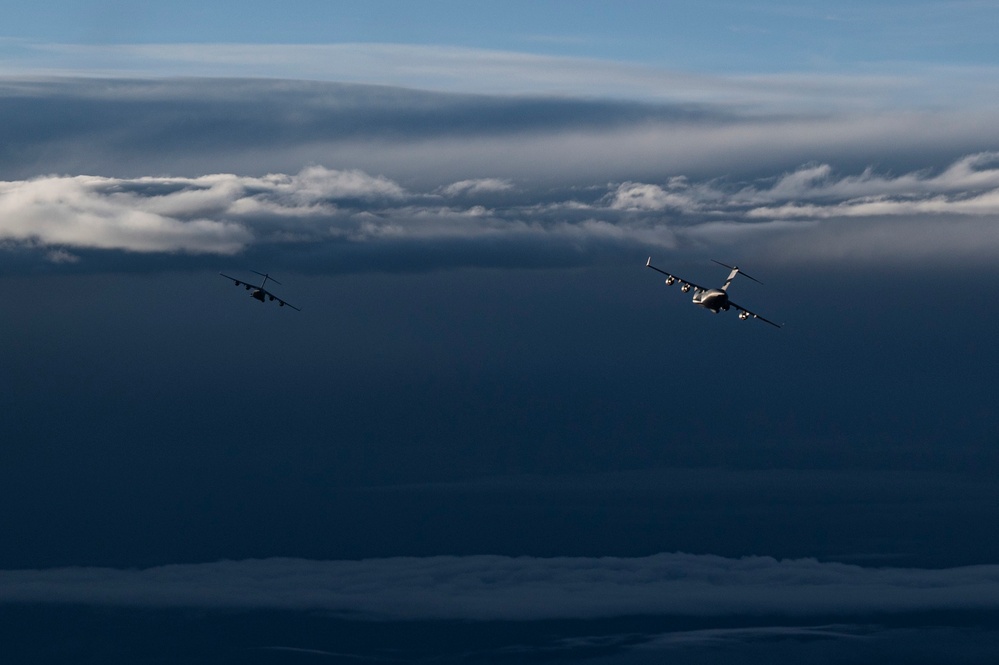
column 648, row 263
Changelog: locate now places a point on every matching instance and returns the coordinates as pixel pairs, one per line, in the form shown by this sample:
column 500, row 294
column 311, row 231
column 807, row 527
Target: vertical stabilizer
column 735, row 271
column 266, row 277
column 731, row 276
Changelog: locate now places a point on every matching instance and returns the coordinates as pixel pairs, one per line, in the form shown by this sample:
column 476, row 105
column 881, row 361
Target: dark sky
column 486, row 393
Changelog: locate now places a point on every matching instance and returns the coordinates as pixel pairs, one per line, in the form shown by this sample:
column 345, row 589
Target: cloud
column 477, row 186
column 85, row 211
column 807, row 214
column 223, row 214
column 430, row 140
column 643, row 196
column 61, row 256
column 969, row 186
column 492, row 71
column 205, row 215
column 404, row 179
column 453, row 68
column 715, row 636
column 521, row 588
column 434, row 139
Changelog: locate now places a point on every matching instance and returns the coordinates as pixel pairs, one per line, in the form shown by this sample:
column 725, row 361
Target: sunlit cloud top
column 950, row 215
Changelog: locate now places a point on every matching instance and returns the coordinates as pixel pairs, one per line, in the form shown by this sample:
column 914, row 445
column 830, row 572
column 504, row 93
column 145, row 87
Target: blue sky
column 491, row 431
column 716, row 37
column 782, row 56
column 719, row 36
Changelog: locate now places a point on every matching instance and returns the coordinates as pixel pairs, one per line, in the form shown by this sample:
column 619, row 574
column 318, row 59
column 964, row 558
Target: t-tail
column 266, row 277
column 735, row 271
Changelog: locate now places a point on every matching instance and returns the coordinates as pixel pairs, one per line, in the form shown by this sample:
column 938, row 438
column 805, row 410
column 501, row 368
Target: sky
column 491, row 434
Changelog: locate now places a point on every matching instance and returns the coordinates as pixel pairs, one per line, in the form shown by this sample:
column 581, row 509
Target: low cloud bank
column 520, row 588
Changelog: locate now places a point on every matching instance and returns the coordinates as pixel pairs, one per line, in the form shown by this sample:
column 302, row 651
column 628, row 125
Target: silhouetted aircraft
column 259, row 292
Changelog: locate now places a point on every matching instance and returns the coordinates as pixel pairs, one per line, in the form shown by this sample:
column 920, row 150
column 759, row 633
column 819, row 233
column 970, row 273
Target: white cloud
column 520, row 588
column 317, row 183
column 209, row 214
column 953, row 215
column 972, row 175
column 810, row 213
column 80, row 212
column 642, row 196
column 984, row 204
column 477, row 186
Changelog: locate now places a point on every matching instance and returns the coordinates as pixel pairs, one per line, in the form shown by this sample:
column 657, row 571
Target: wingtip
column 649, row 262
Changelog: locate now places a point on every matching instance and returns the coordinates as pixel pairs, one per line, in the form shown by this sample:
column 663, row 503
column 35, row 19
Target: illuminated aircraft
column 259, row 292
column 715, row 300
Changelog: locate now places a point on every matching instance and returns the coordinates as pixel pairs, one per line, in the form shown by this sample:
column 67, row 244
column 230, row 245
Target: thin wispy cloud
column 722, row 636
column 493, row 71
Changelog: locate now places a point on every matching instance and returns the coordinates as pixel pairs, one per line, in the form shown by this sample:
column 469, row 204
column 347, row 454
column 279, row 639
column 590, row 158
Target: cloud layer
column 520, row 588
column 809, row 213
column 493, row 71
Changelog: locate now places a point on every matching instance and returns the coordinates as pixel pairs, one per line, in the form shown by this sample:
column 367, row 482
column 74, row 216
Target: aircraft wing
column 268, row 294
column 746, row 313
column 676, row 278
column 271, row 296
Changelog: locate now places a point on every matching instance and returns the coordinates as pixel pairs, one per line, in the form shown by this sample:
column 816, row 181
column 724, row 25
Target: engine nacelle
column 685, row 288
column 247, row 286
column 670, row 281
column 743, row 315
column 236, row 282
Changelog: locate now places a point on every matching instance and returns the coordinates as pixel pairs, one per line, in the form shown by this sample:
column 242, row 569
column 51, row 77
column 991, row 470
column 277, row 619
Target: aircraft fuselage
column 714, row 299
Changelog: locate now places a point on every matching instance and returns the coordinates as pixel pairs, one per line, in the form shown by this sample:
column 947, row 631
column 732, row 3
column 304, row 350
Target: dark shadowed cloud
column 194, row 127
column 523, row 588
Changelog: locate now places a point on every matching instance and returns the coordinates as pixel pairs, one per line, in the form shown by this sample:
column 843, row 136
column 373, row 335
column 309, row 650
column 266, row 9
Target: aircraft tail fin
column 266, row 277
column 735, row 271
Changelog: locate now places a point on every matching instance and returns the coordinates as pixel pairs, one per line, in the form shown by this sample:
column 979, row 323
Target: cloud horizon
column 485, row 587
